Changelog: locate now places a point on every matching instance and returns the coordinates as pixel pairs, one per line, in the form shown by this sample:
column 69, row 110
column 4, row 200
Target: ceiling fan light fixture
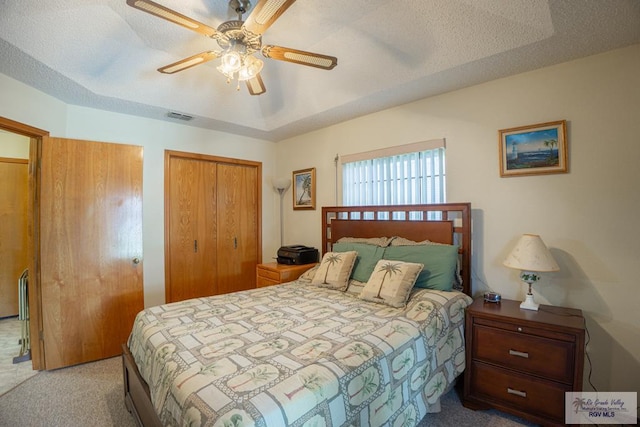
column 251, row 67
column 231, row 62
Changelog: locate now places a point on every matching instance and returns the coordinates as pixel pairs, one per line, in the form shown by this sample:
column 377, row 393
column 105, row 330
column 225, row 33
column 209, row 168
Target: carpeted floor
column 12, row 374
column 85, row 395
column 92, row 395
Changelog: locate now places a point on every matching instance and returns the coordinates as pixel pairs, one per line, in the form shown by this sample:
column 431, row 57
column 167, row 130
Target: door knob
column 136, row 260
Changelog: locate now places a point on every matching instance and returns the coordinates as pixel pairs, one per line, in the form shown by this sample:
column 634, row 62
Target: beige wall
column 587, row 217
column 14, row 146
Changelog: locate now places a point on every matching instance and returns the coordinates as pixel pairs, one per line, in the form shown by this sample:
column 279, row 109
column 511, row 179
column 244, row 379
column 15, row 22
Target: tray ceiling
column 104, row 54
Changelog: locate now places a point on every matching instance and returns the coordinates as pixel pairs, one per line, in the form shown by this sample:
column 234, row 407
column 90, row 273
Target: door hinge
column 41, row 335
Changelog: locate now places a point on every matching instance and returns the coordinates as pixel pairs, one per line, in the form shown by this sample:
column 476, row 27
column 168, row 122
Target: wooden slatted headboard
column 448, row 223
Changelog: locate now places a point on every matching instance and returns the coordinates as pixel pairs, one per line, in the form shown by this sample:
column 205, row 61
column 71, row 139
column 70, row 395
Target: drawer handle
column 516, row 392
column 519, row 354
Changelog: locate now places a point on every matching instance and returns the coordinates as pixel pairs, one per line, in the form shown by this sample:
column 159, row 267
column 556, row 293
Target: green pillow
column 439, row 261
column 368, row 257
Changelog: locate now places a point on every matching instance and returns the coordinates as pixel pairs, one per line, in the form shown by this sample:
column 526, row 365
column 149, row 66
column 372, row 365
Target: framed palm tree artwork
column 534, row 149
column 304, row 189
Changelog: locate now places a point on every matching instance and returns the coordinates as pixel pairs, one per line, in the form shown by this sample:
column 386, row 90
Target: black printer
column 297, row 254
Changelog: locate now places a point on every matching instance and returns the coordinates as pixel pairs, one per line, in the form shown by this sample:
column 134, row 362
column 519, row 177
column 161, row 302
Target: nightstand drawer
column 269, row 274
column 552, row 359
column 521, row 392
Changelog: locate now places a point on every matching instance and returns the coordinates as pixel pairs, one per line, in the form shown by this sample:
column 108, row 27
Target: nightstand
column 522, row 361
column 272, row 273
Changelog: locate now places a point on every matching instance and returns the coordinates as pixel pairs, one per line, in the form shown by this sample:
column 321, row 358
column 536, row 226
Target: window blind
column 402, row 176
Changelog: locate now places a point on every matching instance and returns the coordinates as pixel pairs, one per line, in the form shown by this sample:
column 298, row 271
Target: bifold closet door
column 192, row 230
column 212, row 224
column 238, row 229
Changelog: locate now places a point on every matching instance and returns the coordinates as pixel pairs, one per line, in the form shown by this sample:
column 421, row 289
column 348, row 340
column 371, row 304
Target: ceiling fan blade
column 256, row 85
column 172, row 16
column 189, row 62
column 300, row 57
column 264, row 14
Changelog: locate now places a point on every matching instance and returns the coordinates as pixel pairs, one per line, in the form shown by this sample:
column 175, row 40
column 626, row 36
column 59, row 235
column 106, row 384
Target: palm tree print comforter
column 299, row 355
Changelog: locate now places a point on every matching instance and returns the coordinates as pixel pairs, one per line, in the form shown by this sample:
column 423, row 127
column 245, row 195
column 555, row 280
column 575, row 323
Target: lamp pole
column 281, row 191
column 281, row 185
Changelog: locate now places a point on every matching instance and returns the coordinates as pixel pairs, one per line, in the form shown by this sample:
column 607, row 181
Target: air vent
column 179, row 116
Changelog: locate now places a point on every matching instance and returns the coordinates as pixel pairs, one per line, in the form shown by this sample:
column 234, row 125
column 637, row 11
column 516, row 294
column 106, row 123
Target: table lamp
column 530, row 255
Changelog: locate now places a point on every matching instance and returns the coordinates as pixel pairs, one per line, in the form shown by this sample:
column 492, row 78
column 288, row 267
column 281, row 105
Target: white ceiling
column 104, row 54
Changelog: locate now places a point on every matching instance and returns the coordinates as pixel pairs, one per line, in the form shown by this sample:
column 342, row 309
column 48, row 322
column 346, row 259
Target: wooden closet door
column 238, row 227
column 90, row 248
column 14, row 255
column 216, row 202
column 191, row 230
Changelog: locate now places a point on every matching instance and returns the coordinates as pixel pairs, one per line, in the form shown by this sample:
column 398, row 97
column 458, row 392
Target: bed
column 323, row 350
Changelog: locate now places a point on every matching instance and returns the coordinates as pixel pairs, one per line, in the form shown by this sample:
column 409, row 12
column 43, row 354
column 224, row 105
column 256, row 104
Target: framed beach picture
column 304, row 189
column 533, row 150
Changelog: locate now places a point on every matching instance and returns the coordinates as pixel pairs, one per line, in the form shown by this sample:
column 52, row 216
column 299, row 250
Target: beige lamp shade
column 531, row 254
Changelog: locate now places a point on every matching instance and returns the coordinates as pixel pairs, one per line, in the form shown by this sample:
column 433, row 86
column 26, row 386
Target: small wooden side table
column 272, row 273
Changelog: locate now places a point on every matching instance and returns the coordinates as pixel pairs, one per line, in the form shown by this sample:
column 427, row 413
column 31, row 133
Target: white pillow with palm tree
column 391, row 282
column 334, row 270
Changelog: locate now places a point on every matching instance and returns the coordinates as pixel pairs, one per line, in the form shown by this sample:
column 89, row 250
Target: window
column 407, row 174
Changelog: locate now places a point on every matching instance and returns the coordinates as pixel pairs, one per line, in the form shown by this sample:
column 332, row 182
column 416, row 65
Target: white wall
column 588, row 217
column 26, row 105
column 14, row 146
column 29, row 106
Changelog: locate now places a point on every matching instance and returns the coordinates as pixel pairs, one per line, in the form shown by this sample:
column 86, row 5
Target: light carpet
column 12, row 374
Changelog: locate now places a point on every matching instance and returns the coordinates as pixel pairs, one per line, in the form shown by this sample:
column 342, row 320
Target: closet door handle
column 235, row 243
column 195, row 246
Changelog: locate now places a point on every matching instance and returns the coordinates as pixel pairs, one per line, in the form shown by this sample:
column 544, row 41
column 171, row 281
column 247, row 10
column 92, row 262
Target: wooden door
column 14, row 254
column 191, row 229
column 237, row 218
column 91, row 247
column 214, row 201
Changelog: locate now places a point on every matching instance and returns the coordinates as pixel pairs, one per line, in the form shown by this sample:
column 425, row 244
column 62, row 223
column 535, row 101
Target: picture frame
column 304, row 189
column 534, row 149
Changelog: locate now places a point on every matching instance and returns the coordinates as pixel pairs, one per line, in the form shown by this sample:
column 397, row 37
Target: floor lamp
column 281, row 185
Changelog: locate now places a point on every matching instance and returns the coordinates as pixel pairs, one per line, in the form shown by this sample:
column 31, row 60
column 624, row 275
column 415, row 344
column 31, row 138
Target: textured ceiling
column 104, row 54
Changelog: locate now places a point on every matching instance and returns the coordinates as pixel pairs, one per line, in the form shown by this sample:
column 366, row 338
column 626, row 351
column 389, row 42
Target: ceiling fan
column 238, row 41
